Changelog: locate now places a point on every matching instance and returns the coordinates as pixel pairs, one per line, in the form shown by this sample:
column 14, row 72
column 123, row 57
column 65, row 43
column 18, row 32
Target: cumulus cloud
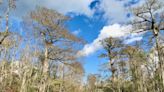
column 114, row 10
column 115, row 31
column 62, row 6
column 117, row 11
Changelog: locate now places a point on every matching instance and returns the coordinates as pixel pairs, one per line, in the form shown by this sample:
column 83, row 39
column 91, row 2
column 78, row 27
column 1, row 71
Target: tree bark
column 45, row 62
column 160, row 62
column 45, row 71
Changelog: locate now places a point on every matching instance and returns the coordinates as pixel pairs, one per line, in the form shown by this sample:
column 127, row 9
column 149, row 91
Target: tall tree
column 148, row 17
column 57, row 41
column 50, row 28
column 10, row 5
column 91, row 83
column 113, row 51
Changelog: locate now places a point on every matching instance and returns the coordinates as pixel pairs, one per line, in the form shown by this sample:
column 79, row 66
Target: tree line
column 43, row 57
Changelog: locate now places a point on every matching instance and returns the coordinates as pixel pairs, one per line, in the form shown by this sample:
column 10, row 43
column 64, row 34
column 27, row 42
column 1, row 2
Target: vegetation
column 43, row 58
column 132, row 67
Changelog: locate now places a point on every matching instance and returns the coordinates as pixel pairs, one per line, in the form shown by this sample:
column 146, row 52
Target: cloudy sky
column 93, row 20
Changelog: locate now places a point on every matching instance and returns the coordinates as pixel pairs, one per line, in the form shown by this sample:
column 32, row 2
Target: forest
column 43, row 57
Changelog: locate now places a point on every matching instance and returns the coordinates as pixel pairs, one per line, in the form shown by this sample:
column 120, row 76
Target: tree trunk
column 45, row 62
column 45, row 71
column 160, row 62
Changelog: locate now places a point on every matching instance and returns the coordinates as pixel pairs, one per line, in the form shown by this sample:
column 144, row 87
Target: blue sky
column 89, row 28
column 92, row 20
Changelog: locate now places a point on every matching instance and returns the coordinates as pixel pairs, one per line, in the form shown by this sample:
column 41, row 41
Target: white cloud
column 115, row 31
column 65, row 6
column 133, row 39
column 114, row 10
column 62, row 6
column 76, row 32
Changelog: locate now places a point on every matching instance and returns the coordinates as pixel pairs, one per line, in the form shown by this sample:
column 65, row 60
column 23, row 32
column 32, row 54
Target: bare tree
column 148, row 17
column 57, row 40
column 113, row 48
column 11, row 5
column 50, row 27
column 92, row 83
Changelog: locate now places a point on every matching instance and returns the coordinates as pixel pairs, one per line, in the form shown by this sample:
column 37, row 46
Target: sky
column 108, row 19
column 92, row 20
